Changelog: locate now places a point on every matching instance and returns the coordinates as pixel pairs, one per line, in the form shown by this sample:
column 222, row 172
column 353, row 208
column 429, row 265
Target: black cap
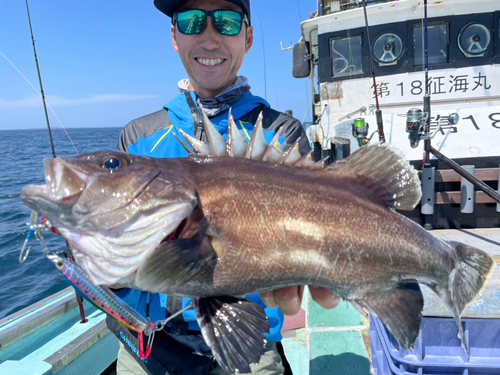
column 169, row 7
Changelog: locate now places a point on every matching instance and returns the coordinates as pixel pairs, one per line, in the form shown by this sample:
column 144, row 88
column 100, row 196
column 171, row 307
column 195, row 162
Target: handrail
column 354, row 113
column 473, row 179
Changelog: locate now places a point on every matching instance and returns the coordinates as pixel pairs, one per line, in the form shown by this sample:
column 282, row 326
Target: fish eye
column 59, row 263
column 113, row 162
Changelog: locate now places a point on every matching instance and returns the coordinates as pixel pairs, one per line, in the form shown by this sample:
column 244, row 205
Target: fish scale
column 235, row 225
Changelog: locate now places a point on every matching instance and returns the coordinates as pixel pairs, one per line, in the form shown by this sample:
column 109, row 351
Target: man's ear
column 249, row 39
column 174, row 42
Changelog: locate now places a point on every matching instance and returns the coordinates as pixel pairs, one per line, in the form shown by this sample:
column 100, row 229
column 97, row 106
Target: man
column 212, row 38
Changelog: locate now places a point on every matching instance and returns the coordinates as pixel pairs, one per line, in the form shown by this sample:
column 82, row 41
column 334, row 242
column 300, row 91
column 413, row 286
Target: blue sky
column 106, row 62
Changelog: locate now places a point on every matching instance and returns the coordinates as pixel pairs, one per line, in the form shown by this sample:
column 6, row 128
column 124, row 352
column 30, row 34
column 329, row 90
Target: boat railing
column 469, row 180
column 341, row 5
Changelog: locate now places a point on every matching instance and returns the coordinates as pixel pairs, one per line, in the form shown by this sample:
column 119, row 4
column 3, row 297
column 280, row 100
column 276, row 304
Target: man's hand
column 289, row 299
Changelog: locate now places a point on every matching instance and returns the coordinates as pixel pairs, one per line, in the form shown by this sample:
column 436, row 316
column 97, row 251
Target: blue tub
column 438, row 349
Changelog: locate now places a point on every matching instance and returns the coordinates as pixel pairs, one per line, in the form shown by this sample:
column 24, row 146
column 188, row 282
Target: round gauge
column 474, row 39
column 388, row 48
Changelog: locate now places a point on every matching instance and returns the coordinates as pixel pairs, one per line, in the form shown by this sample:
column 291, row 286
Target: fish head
column 112, row 207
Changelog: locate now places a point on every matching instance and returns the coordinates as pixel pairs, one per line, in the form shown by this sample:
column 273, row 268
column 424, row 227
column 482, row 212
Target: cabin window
column 438, row 44
column 474, row 39
column 347, row 58
column 388, row 48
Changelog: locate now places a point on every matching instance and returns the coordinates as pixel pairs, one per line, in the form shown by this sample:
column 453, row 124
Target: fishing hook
column 37, row 229
column 150, row 332
column 24, row 253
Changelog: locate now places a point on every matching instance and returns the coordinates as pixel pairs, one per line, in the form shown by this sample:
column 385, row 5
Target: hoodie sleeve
column 142, row 130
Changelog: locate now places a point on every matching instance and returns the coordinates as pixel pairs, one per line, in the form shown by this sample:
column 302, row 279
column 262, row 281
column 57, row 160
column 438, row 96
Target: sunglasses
column 193, row 21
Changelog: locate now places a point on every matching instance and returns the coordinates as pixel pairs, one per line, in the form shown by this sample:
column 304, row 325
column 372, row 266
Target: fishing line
column 40, row 95
column 264, row 56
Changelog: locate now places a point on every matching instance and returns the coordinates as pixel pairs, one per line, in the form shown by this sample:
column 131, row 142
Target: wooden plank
column 453, row 197
column 449, row 175
column 484, row 174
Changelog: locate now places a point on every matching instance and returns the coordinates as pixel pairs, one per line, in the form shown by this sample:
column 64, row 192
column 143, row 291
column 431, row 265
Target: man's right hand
column 289, row 299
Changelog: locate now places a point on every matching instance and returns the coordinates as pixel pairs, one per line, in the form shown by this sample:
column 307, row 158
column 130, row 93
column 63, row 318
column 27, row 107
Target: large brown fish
column 211, row 226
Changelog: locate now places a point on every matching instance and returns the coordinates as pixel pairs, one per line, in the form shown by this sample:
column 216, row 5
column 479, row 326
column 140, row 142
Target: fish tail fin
column 474, row 266
column 466, row 281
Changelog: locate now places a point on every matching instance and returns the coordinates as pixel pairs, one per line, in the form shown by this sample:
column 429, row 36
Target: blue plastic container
column 438, row 349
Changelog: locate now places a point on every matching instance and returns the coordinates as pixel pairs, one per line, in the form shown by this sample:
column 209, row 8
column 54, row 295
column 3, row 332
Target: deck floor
column 319, row 341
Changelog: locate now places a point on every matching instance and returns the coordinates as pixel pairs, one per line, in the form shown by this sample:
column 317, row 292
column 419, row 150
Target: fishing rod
column 40, row 80
column 69, row 253
column 378, row 112
column 427, row 97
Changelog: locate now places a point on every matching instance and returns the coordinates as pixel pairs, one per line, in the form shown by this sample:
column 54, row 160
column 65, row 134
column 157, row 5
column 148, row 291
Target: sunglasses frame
column 209, row 13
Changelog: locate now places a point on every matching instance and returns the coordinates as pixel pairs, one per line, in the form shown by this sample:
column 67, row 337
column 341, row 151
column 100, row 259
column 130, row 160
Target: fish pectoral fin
column 234, row 330
column 401, row 312
column 175, row 263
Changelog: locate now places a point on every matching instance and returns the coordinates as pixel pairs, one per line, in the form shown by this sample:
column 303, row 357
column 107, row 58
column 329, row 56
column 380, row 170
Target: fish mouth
column 62, row 186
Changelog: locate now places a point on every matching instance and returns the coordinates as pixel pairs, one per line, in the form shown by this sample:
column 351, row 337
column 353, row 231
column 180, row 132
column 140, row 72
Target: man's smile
column 209, row 62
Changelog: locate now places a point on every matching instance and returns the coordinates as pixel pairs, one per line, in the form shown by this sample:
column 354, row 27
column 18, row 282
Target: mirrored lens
column 191, row 21
column 228, row 22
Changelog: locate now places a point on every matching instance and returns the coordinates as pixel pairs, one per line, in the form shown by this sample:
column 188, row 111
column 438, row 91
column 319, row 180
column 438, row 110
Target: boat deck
column 48, row 338
column 319, row 341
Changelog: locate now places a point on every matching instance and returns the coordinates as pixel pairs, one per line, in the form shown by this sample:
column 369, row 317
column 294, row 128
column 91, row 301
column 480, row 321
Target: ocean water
column 22, row 153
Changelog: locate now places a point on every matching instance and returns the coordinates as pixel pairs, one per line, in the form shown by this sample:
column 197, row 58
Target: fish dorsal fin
column 274, row 151
column 236, row 144
column 291, row 156
column 306, row 161
column 383, row 169
column 258, row 144
column 320, row 164
column 191, row 152
column 216, row 141
column 200, row 147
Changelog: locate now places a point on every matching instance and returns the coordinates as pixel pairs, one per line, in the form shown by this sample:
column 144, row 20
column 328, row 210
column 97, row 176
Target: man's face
column 212, row 60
